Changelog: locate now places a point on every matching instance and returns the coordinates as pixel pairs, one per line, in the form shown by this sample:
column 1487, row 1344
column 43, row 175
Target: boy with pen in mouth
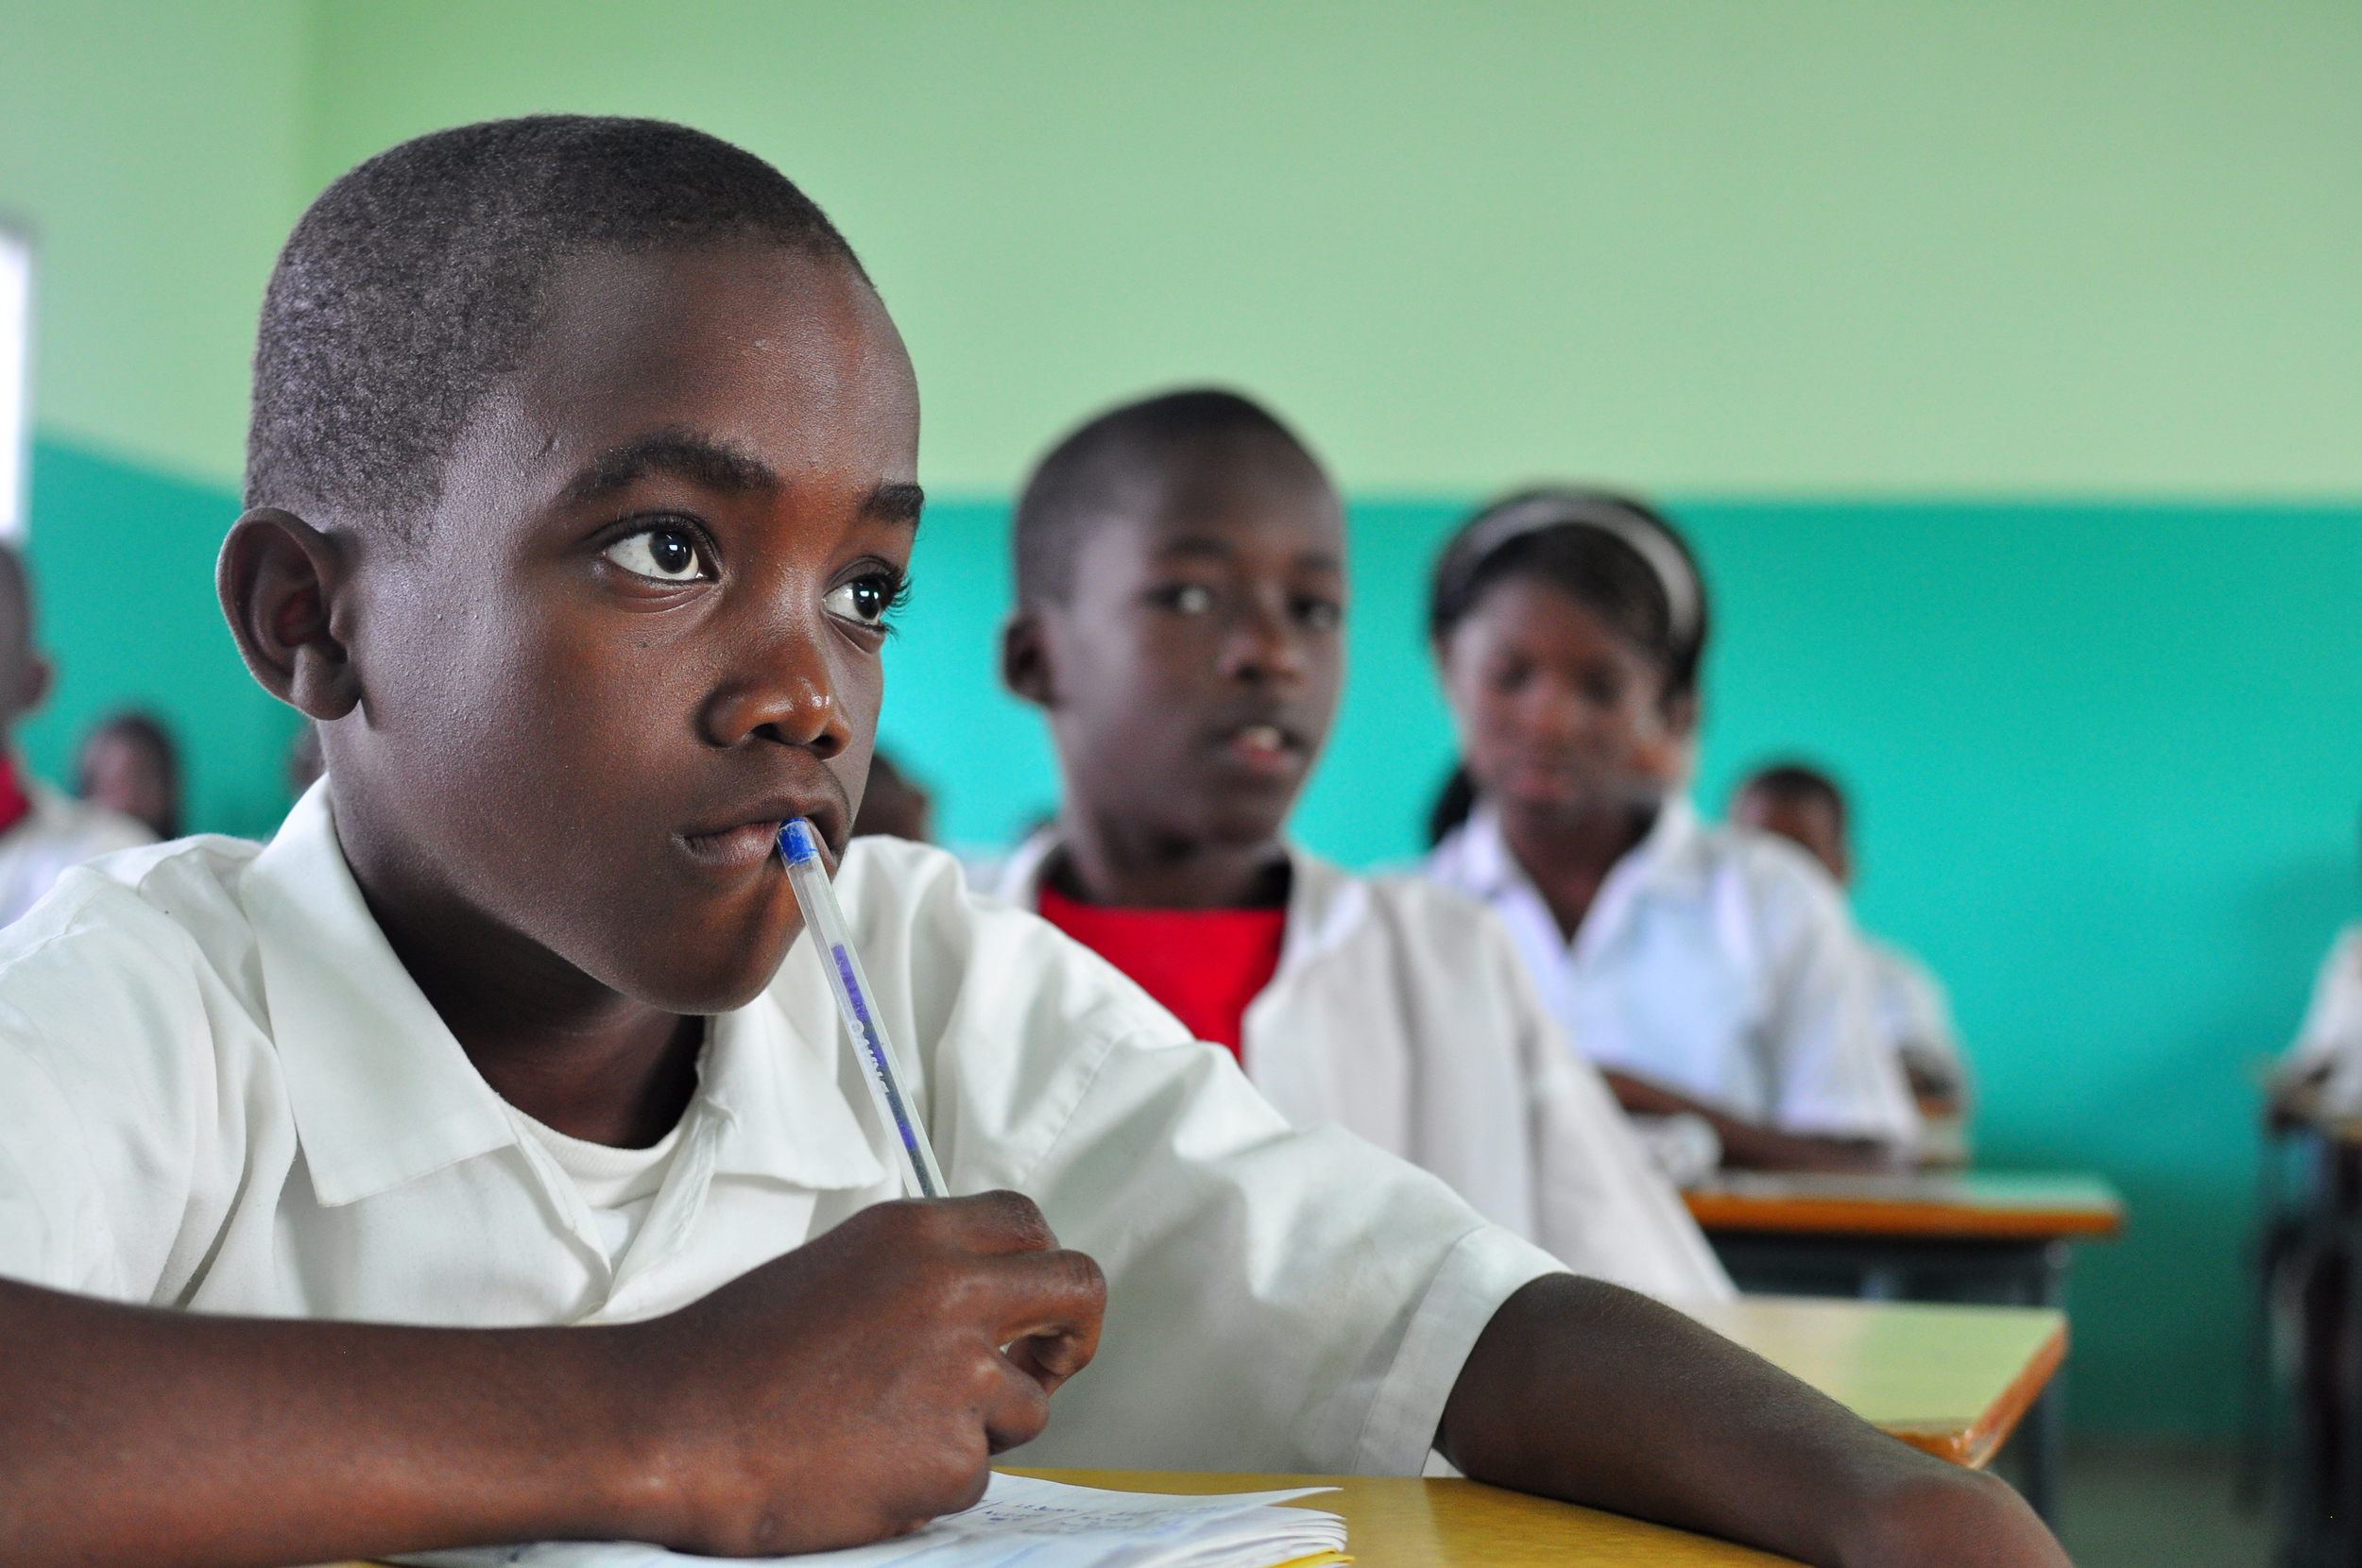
column 481, row 1160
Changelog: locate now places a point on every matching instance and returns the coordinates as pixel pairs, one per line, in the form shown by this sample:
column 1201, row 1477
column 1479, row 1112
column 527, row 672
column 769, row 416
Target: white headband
column 1558, row 509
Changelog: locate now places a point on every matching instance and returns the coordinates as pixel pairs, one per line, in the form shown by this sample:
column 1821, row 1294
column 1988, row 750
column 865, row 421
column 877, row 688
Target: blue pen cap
column 798, row 842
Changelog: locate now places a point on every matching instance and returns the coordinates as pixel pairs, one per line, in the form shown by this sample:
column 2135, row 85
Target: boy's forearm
column 141, row 1436
column 1745, row 1144
column 1580, row 1390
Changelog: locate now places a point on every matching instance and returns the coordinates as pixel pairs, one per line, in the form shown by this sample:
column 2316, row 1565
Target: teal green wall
column 123, row 566
column 1838, row 274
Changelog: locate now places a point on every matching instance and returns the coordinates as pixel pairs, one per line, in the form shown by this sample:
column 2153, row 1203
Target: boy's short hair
column 1795, row 784
column 1085, row 476
column 417, row 280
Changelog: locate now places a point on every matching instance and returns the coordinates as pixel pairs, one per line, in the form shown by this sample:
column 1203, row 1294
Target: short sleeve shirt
column 221, row 1091
column 1717, row 963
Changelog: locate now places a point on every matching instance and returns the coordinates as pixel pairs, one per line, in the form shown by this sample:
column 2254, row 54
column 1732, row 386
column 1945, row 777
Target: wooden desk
column 1965, row 1207
column 1991, row 1237
column 1409, row 1524
column 1952, row 1380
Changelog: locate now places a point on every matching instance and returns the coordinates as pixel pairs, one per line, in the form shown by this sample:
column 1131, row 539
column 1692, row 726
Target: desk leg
column 2044, row 1427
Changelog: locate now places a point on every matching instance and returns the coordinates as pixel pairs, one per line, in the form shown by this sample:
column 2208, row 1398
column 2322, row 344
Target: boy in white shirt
column 580, row 485
column 43, row 831
column 1181, row 601
column 1805, row 806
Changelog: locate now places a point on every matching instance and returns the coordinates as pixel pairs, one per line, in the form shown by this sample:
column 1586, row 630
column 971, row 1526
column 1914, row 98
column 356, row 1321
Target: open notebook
column 1022, row 1523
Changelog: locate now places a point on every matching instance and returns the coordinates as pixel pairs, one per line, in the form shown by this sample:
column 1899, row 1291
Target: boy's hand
column 858, row 1386
column 851, row 1390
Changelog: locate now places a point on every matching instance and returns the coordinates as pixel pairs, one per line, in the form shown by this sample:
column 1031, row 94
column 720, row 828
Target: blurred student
column 2322, row 1074
column 42, row 832
column 1180, row 570
column 1706, row 972
column 130, row 765
column 894, row 806
column 1805, row 806
column 303, row 762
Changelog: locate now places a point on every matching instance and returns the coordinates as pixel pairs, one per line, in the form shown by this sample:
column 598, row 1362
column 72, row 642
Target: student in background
column 303, row 764
column 2322, row 1074
column 1180, row 570
column 1706, row 972
column 43, row 833
column 1805, row 806
column 130, row 765
column 891, row 804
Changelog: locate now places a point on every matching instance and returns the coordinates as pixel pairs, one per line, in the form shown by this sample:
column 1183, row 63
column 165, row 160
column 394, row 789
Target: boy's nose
column 788, row 697
column 1260, row 644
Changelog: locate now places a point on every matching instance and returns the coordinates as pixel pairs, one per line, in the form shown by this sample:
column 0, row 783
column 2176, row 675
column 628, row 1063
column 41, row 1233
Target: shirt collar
column 380, row 1091
column 1325, row 902
column 383, row 1093
column 1476, row 860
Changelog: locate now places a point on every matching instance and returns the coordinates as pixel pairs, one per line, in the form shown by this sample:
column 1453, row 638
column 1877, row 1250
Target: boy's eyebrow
column 1217, row 549
column 893, row 502
column 699, row 459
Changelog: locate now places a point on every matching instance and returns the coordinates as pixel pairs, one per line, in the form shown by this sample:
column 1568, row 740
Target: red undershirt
column 1205, row 965
column 15, row 804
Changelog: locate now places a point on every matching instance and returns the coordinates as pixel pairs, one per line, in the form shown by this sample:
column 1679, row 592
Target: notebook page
column 1022, row 1523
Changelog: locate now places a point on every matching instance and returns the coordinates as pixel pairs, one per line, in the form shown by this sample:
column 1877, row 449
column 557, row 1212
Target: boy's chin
column 703, row 985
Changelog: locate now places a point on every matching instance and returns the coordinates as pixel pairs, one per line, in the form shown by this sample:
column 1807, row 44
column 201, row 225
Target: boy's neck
column 572, row 1053
column 1103, row 862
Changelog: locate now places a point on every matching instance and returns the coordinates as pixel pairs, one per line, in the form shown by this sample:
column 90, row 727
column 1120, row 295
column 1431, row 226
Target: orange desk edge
column 1836, row 1212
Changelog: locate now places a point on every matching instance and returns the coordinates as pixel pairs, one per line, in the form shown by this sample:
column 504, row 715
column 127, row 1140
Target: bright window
column 16, row 332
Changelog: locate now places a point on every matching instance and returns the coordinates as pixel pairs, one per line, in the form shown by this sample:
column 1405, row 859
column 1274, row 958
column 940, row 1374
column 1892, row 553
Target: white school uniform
column 1402, row 1013
column 220, row 1090
column 57, row 833
column 2330, row 1042
column 1719, row 962
column 1914, row 1015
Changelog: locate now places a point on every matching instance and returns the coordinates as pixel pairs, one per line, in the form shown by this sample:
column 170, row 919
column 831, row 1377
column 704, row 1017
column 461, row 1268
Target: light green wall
column 1841, row 253
column 157, row 148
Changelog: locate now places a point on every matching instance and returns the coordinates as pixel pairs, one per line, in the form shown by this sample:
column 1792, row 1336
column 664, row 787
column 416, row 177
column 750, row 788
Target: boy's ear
column 278, row 578
column 1025, row 659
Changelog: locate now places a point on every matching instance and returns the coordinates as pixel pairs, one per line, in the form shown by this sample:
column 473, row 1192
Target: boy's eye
column 1187, row 599
column 667, row 555
column 1320, row 615
column 865, row 600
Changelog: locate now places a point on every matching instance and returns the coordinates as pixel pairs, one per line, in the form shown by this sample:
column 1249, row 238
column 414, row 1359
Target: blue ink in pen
column 800, row 847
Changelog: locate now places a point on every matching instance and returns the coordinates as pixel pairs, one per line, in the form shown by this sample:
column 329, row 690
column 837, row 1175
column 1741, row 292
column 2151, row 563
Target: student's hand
column 858, row 1386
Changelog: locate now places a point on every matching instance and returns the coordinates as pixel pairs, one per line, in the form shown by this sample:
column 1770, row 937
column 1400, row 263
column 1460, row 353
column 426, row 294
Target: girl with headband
column 1710, row 973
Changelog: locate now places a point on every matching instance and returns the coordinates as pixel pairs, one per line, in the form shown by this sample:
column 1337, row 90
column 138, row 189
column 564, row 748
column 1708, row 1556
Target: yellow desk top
column 1953, row 1380
column 1412, row 1524
column 1977, row 1205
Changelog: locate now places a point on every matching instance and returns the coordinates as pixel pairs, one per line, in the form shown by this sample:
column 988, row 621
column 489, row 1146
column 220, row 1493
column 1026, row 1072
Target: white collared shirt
column 57, row 833
column 1402, row 1013
column 2331, row 1037
column 1719, row 962
column 220, row 1090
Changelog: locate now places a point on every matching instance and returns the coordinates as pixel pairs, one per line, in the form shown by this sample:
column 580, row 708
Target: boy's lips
column 1264, row 748
column 755, row 837
column 748, row 844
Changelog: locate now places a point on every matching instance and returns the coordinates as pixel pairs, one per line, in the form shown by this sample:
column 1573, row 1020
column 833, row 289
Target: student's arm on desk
column 1578, row 1390
column 1747, row 1145
column 849, row 1390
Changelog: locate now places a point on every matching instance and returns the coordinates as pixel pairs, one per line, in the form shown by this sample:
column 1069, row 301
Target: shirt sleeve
column 1834, row 1075
column 1278, row 1300
column 1605, row 1209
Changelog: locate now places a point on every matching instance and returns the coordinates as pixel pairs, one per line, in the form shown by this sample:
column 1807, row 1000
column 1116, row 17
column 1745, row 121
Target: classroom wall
column 1999, row 359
